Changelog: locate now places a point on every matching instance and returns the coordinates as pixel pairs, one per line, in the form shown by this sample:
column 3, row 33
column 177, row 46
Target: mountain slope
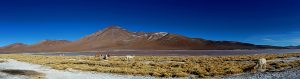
column 115, row 37
column 16, row 47
column 44, row 46
column 47, row 46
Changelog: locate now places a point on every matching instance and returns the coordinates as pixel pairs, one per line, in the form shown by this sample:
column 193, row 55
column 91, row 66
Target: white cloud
column 292, row 38
column 268, row 40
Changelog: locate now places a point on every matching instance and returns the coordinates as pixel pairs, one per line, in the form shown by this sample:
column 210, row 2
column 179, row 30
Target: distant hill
column 13, row 47
column 115, row 37
column 294, row 47
column 44, row 46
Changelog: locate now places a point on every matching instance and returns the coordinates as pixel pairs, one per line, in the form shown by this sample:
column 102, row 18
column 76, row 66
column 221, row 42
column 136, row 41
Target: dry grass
column 160, row 66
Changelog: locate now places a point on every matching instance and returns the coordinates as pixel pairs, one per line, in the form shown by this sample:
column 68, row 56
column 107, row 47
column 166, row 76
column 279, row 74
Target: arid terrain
column 166, row 66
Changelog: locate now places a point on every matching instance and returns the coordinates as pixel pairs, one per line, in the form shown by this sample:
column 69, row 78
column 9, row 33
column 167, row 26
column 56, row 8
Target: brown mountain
column 14, row 47
column 47, row 46
column 115, row 37
column 44, row 46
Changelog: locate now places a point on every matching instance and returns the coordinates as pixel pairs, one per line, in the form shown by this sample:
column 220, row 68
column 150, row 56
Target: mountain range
column 294, row 47
column 115, row 37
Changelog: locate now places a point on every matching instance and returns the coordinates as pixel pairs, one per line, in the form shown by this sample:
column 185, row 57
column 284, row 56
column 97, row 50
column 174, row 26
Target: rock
column 260, row 66
column 29, row 73
column 2, row 61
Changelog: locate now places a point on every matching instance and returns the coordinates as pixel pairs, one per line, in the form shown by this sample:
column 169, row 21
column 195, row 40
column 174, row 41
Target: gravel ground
column 287, row 74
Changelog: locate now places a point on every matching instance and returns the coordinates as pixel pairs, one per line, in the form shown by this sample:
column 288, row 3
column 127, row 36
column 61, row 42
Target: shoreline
column 173, row 52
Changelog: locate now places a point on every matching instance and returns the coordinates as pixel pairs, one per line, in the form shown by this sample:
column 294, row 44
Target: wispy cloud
column 295, row 32
column 269, row 40
column 292, row 38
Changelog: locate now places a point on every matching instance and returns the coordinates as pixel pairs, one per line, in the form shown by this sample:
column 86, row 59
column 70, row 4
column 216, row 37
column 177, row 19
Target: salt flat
column 59, row 74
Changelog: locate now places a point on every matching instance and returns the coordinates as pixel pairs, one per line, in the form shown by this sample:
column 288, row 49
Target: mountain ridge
column 115, row 37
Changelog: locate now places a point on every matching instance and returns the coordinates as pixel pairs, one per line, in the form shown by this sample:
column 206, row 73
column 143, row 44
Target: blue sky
column 267, row 22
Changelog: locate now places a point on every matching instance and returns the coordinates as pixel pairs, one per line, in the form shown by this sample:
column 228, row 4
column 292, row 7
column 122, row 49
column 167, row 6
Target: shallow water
column 180, row 52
